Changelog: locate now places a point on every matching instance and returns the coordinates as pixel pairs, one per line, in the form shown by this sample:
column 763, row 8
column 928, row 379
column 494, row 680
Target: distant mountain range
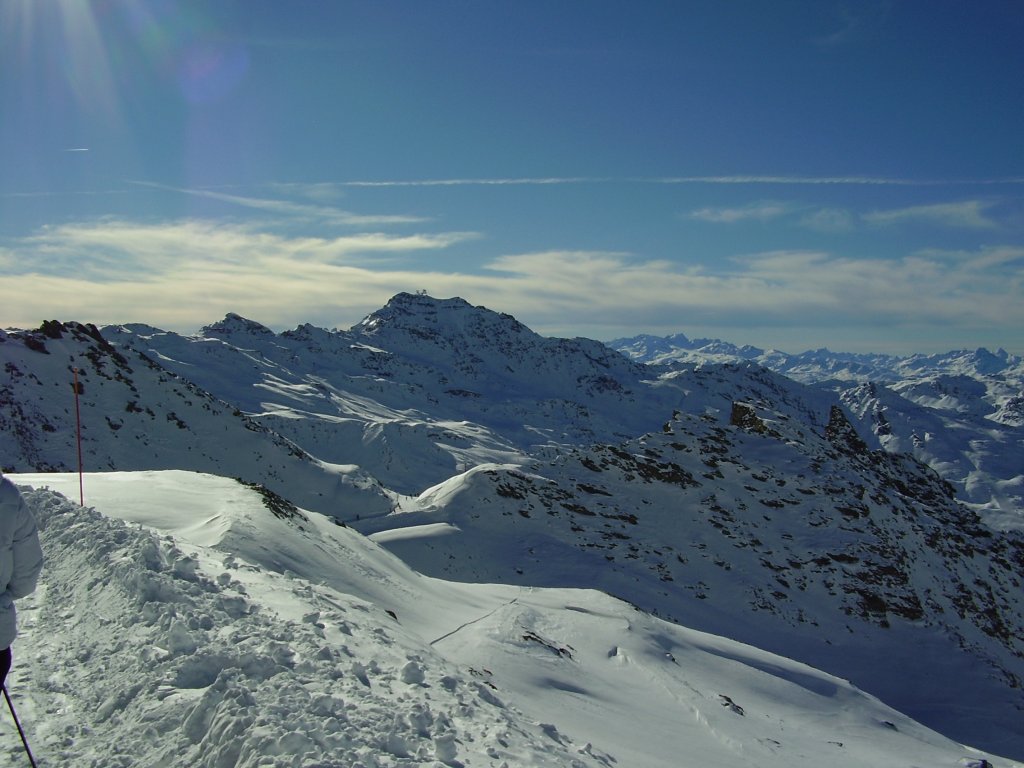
column 961, row 412
column 858, row 513
column 823, row 364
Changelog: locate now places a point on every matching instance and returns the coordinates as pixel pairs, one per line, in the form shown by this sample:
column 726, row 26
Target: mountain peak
column 422, row 299
column 233, row 324
column 426, row 317
column 413, row 305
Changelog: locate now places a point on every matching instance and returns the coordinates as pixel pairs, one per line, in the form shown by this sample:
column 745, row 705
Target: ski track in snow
column 461, row 627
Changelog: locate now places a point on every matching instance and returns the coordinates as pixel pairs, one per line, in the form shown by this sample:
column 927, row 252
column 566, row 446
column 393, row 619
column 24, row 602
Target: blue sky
column 786, row 174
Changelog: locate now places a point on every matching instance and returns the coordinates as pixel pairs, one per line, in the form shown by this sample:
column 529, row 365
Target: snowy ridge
column 184, row 622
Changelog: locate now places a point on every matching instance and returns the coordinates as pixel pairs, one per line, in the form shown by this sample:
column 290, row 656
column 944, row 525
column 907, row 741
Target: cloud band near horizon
column 177, row 275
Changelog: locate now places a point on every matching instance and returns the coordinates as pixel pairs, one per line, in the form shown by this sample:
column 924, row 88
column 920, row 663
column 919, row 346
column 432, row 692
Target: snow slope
column 189, row 620
column 857, row 562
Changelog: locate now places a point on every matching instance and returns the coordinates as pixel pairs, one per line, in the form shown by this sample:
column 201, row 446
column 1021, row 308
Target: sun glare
column 100, row 49
column 61, row 43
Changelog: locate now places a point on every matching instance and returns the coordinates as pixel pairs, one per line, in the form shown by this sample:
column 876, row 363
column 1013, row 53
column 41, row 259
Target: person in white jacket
column 21, row 560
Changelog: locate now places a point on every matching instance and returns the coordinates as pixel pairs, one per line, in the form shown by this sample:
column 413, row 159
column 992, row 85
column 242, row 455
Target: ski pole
column 21, row 733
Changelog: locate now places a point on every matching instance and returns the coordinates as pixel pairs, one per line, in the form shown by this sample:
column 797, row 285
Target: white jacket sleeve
column 28, row 555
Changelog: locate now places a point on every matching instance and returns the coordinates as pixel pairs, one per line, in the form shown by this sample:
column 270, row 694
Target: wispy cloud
column 854, row 23
column 969, row 214
column 989, row 258
column 761, row 211
column 67, row 193
column 966, row 214
column 320, row 213
column 481, row 182
column 829, row 220
column 830, row 180
column 321, row 192
column 736, row 179
column 110, row 250
column 792, row 180
column 316, row 195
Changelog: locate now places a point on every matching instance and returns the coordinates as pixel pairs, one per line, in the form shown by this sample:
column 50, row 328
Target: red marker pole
column 78, row 428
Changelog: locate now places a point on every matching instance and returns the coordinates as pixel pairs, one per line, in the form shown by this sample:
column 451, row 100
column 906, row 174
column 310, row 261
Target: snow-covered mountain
column 417, row 391
column 720, row 495
column 138, row 414
column 960, row 412
column 184, row 621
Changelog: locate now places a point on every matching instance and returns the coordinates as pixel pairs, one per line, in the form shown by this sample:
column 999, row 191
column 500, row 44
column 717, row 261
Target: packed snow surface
column 185, row 619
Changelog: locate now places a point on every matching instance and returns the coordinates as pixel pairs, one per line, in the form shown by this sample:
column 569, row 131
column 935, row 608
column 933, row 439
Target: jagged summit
column 236, row 324
column 412, row 304
column 432, row 320
column 309, row 332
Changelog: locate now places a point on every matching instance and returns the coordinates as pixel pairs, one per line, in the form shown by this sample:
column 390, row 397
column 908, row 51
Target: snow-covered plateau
column 858, row 515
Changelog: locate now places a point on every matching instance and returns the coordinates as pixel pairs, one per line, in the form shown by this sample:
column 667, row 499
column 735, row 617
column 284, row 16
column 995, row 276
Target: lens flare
column 102, row 53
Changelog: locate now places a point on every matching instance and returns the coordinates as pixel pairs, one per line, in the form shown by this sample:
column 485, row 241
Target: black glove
column 5, row 665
